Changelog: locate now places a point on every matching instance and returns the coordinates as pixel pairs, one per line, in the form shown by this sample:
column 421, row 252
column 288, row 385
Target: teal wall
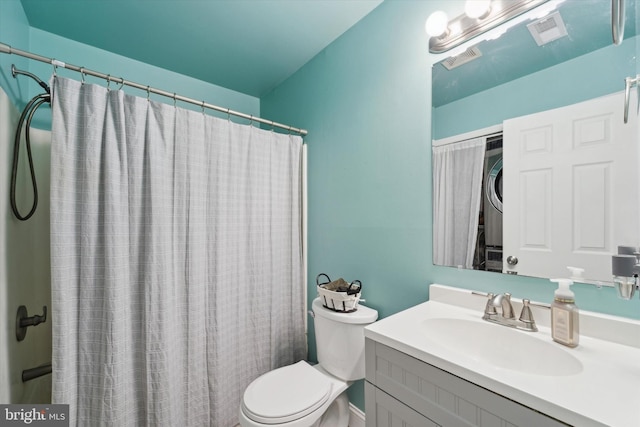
column 14, row 31
column 585, row 77
column 79, row 54
column 366, row 103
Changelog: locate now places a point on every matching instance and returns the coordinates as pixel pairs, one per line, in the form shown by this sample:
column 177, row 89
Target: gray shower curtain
column 176, row 259
column 457, row 194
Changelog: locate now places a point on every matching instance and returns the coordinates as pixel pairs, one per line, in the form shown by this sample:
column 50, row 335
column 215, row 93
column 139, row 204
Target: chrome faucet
column 506, row 316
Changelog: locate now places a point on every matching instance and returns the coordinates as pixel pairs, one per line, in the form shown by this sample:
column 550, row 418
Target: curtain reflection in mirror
column 457, row 185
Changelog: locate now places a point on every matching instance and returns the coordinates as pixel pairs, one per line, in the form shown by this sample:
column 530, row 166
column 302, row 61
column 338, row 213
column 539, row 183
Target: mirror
column 500, row 89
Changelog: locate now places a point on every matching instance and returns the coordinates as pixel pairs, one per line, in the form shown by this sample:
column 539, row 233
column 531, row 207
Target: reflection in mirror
column 540, row 110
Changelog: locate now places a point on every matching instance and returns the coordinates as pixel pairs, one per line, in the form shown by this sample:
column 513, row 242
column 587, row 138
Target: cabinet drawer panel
column 385, row 411
column 442, row 397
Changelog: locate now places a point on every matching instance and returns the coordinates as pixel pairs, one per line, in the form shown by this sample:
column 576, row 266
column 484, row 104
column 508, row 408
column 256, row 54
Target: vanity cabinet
column 401, row 390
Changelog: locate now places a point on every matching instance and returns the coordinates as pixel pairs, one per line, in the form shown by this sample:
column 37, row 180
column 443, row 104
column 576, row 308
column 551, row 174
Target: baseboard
column 356, row 416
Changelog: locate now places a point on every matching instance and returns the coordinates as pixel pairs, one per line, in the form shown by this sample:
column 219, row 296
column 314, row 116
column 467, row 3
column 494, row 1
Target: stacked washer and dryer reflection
column 492, row 205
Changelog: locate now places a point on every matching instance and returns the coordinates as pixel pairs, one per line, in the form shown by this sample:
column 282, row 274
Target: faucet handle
column 489, row 309
column 526, row 316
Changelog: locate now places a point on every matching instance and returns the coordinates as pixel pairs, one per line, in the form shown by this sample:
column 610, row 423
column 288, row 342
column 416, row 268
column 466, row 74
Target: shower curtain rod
column 5, row 48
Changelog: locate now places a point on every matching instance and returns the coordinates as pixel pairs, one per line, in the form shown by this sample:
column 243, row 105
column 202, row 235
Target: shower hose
column 27, row 114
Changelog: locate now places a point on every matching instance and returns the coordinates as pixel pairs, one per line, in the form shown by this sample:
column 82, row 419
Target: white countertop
column 606, row 392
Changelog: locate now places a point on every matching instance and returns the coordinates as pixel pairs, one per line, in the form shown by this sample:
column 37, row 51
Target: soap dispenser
column 564, row 315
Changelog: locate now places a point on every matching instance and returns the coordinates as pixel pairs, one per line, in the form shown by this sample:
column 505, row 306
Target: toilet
column 304, row 395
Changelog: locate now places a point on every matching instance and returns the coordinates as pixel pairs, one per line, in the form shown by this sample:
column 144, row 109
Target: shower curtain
column 176, row 259
column 457, row 192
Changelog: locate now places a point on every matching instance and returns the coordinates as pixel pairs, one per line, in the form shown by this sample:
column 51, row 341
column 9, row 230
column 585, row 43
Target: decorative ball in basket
column 339, row 295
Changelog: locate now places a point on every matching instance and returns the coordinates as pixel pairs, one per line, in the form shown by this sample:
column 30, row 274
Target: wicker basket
column 339, row 295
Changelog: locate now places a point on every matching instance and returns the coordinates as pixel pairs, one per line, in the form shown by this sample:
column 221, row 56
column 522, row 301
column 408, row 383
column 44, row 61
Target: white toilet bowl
column 298, row 395
column 301, row 395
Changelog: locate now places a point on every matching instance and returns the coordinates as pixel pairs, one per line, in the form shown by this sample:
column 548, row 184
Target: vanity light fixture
column 436, row 24
column 480, row 16
column 477, row 9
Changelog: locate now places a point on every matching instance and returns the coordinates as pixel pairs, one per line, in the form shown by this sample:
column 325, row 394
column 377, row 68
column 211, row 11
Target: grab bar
column 38, row 371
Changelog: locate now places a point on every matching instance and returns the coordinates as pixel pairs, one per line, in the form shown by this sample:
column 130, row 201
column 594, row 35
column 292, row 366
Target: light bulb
column 477, row 8
column 436, row 24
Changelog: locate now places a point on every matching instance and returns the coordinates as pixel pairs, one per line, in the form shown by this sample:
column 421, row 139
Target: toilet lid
column 286, row 394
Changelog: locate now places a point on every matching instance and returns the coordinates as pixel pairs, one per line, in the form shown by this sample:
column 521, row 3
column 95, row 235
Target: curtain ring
column 251, row 120
column 148, row 93
column 82, row 74
column 108, row 82
column 55, row 68
column 228, row 114
column 174, row 100
column 121, row 83
column 202, row 107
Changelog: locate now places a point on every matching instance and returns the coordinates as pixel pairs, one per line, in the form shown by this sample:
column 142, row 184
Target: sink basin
column 502, row 347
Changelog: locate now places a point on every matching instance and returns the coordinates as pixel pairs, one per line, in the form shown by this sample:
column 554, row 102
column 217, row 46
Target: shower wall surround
column 24, row 265
column 24, row 251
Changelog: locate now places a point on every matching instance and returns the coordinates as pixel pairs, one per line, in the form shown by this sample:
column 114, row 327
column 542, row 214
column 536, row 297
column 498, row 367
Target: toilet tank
column 340, row 339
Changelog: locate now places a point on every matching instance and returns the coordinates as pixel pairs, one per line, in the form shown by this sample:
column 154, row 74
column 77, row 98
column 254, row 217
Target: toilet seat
column 286, row 394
